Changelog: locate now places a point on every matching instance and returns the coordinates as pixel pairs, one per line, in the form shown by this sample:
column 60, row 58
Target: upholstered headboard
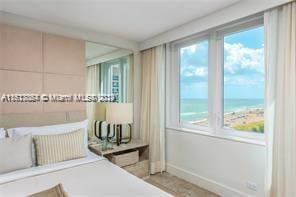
column 40, row 119
column 41, row 63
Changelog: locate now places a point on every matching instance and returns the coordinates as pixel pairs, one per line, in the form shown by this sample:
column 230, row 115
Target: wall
column 237, row 11
column 36, row 62
column 220, row 165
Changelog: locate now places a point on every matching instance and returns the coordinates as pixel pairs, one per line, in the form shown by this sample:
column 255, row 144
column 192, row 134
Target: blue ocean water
column 197, row 109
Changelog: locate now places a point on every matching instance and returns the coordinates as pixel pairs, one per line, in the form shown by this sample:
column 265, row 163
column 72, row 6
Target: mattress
column 91, row 176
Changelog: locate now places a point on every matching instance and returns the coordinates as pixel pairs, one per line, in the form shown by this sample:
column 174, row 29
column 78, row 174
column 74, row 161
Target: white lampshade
column 119, row 113
column 100, row 111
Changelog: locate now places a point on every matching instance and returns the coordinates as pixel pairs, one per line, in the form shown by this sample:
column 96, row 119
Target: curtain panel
column 280, row 118
column 93, row 87
column 152, row 123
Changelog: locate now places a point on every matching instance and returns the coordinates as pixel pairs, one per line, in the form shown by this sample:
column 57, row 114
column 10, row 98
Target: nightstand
column 133, row 157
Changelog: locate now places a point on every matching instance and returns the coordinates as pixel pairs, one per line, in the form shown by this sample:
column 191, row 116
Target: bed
column 90, row 176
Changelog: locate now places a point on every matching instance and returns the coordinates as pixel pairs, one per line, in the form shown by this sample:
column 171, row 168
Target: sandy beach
column 235, row 119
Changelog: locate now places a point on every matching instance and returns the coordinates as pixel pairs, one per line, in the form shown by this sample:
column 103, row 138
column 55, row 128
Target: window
column 219, row 76
column 244, row 80
column 194, row 83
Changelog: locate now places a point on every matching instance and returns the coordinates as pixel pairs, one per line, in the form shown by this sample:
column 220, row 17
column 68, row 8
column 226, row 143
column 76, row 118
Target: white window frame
column 215, row 39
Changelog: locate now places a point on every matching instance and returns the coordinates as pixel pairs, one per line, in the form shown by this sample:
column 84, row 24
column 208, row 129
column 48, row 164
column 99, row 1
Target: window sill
column 257, row 142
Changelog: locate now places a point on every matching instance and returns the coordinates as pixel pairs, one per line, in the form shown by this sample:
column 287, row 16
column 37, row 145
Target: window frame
column 215, row 39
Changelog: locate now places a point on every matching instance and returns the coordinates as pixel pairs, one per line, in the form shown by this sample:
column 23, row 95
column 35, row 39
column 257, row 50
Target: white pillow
column 51, row 130
column 15, row 153
column 2, row 133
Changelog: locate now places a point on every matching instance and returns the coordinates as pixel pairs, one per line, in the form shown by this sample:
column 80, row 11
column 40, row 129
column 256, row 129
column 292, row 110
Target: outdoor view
column 194, row 83
column 243, row 81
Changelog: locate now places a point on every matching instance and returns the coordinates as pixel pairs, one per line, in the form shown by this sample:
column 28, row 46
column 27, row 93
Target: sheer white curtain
column 280, row 25
column 93, row 87
column 152, row 128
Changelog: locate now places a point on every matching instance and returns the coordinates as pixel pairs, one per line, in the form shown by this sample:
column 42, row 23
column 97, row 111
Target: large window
column 194, row 83
column 220, row 78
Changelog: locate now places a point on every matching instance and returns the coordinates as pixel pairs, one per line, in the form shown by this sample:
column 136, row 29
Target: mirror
column 109, row 72
column 109, row 76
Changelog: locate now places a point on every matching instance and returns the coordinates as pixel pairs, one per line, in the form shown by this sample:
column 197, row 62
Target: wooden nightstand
column 140, row 168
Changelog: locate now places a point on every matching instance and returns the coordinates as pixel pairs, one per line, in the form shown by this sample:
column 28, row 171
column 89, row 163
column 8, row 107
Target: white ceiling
column 93, row 50
column 136, row 20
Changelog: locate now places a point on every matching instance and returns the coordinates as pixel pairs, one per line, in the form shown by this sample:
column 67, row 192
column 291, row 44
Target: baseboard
column 204, row 182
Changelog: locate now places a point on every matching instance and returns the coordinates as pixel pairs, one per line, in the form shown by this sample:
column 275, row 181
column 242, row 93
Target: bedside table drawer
column 140, row 169
column 125, row 159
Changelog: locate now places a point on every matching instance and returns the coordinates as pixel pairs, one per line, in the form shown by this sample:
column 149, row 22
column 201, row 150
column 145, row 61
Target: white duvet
column 92, row 176
column 19, row 174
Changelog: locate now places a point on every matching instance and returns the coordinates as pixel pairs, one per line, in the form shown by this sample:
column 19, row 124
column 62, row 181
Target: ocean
column 197, row 109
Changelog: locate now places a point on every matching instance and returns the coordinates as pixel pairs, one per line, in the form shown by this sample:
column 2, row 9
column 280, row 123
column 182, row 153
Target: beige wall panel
column 64, row 84
column 1, row 43
column 77, row 116
column 12, row 82
column 21, row 49
column 38, row 55
column 32, row 120
column 63, row 55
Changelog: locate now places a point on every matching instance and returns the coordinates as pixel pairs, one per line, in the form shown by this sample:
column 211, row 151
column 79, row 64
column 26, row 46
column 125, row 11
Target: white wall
column 220, row 165
column 237, row 11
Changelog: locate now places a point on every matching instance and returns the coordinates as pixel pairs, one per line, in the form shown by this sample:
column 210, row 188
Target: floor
column 178, row 187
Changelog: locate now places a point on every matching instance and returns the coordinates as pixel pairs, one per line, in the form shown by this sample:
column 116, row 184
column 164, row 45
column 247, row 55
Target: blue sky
column 243, row 67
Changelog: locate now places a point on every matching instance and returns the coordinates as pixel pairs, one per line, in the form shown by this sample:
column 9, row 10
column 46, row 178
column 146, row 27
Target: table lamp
column 120, row 114
column 100, row 118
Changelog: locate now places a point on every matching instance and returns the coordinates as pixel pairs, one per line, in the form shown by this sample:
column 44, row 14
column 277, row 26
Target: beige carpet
column 178, row 187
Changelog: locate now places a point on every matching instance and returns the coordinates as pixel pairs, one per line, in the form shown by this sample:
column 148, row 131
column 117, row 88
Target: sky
column 243, row 67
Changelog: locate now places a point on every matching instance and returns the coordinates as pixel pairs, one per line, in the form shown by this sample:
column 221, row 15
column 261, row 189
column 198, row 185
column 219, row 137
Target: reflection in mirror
column 109, row 72
column 109, row 75
column 114, row 78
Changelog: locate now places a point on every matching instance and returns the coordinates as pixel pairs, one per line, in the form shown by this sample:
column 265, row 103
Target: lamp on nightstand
column 120, row 114
column 100, row 118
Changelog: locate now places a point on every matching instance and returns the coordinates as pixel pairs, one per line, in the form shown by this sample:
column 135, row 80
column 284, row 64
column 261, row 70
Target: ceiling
column 135, row 20
column 93, row 50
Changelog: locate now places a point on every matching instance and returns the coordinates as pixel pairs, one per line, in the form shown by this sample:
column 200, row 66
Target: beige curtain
column 93, row 87
column 280, row 45
column 152, row 128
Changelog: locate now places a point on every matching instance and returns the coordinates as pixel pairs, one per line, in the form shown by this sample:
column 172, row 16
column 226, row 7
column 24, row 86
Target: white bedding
column 87, row 177
column 19, row 174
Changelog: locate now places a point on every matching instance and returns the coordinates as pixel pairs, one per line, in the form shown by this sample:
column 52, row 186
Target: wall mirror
column 109, row 75
column 109, row 71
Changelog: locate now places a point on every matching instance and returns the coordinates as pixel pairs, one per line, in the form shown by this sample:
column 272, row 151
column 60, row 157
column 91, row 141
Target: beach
column 239, row 114
column 241, row 120
column 235, row 119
